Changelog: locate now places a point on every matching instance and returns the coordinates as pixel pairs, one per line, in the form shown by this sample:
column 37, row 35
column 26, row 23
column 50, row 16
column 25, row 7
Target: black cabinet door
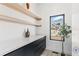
column 40, row 49
column 33, row 49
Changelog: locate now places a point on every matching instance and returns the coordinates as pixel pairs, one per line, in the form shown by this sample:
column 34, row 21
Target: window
column 55, row 23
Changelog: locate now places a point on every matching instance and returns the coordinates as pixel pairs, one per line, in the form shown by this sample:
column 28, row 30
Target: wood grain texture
column 21, row 9
column 15, row 20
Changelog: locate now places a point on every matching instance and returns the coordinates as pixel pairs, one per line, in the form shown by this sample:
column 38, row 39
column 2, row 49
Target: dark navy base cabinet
column 33, row 49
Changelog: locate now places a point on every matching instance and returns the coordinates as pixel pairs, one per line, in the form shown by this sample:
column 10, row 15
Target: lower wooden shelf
column 15, row 20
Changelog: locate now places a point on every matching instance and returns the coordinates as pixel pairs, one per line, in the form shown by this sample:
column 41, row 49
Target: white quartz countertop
column 7, row 46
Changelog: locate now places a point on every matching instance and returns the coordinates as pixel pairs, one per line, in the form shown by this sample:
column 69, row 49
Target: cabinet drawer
column 40, row 49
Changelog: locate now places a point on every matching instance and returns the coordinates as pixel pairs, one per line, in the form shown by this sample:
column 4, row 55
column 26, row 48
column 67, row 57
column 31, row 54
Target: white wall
column 75, row 28
column 12, row 31
column 46, row 10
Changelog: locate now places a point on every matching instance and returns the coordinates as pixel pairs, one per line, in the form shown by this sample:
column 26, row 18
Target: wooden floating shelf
column 21, row 9
column 15, row 20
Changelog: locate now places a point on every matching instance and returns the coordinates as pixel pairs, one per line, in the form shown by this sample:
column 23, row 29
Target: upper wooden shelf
column 21, row 9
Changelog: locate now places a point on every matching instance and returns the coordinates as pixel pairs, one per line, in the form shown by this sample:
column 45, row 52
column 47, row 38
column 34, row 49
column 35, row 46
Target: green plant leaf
column 65, row 30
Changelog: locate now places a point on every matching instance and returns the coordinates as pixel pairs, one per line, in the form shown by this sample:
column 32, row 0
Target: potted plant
column 65, row 30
